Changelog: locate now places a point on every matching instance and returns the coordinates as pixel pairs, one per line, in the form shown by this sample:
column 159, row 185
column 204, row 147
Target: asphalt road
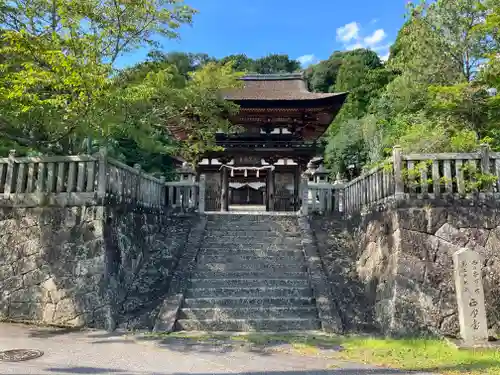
column 93, row 352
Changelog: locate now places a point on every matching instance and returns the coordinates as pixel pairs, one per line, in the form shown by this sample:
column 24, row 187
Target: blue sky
column 306, row 30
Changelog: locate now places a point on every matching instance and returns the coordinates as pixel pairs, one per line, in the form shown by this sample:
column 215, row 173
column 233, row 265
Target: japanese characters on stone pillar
column 470, row 296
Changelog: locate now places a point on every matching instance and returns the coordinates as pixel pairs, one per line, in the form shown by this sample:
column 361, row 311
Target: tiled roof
column 290, row 86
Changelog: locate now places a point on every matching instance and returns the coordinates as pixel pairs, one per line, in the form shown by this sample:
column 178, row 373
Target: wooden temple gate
column 281, row 122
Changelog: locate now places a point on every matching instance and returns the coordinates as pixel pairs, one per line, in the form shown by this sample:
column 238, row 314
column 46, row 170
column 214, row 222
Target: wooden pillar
column 270, row 185
column 397, row 162
column 224, row 202
column 271, row 190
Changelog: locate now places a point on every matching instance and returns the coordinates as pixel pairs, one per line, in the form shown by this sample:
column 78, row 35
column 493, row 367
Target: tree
column 240, row 62
column 164, row 105
column 270, row 64
column 444, row 34
column 276, row 63
column 54, row 86
column 361, row 74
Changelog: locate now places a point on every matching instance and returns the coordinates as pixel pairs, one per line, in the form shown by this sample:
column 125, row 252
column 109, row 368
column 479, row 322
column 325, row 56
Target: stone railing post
column 201, row 194
column 102, row 183
column 9, row 178
column 397, row 162
column 163, row 197
column 340, row 194
column 305, row 196
column 485, row 163
column 138, row 192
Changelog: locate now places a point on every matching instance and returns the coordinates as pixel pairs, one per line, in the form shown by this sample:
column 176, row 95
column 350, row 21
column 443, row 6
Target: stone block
column 26, row 311
column 48, row 313
column 411, row 268
column 6, row 272
column 9, row 226
column 29, row 220
column 12, row 284
column 66, row 310
column 477, row 237
column 4, row 305
column 26, row 264
column 29, row 247
column 92, row 266
column 427, row 220
column 29, row 294
column 453, row 235
column 35, row 277
column 473, row 217
column 492, row 247
column 416, row 244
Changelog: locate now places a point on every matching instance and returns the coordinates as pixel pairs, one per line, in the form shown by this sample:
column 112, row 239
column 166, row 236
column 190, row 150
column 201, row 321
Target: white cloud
column 352, row 38
column 385, row 57
column 377, row 36
column 306, row 60
column 348, row 32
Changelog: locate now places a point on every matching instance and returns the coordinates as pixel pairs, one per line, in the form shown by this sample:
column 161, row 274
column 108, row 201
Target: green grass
column 432, row 355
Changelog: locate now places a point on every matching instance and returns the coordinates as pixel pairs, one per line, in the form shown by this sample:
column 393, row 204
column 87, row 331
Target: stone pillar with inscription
column 470, row 296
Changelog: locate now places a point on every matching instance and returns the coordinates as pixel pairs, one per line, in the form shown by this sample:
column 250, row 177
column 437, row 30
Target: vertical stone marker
column 470, row 296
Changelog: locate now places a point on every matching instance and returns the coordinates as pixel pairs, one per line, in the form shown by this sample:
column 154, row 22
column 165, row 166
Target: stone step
column 248, row 274
column 262, row 282
column 252, row 240
column 249, row 234
column 249, row 292
column 248, row 325
column 251, row 226
column 235, row 246
column 251, row 266
column 265, row 302
column 227, row 313
column 236, row 257
column 257, row 252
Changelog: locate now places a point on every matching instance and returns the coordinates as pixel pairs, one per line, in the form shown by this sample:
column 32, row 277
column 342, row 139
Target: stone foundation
column 392, row 267
column 87, row 266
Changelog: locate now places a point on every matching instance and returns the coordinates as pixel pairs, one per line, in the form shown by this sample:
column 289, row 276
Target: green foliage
column 412, row 177
column 57, row 87
column 475, row 180
column 431, row 96
column 471, row 179
column 274, row 63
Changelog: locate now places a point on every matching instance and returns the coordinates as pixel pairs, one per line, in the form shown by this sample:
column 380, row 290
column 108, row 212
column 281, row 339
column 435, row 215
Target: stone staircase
column 251, row 275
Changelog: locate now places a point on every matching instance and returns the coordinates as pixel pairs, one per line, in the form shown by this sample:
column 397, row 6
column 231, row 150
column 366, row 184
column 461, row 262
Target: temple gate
column 263, row 165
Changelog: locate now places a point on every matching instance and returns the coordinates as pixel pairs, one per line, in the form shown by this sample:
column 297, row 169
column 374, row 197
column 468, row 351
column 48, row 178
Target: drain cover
column 19, row 355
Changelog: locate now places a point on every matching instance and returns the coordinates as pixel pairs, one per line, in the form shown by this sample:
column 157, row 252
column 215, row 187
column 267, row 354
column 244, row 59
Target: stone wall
column 93, row 266
column 392, row 267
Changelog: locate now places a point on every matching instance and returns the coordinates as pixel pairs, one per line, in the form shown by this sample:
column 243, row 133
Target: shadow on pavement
column 52, row 332
column 96, row 370
column 86, row 370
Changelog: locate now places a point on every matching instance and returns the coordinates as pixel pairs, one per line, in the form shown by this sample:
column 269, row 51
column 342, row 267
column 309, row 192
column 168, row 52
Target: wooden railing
column 90, row 180
column 405, row 176
column 372, row 186
column 449, row 174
